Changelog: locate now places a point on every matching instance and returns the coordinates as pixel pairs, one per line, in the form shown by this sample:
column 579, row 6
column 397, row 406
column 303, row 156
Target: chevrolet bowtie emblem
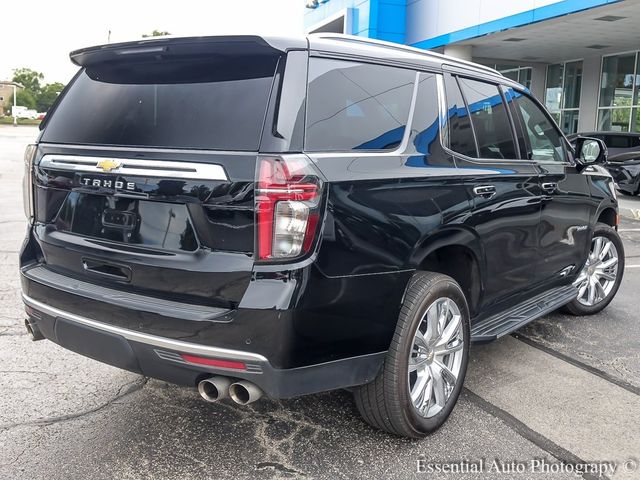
column 108, row 165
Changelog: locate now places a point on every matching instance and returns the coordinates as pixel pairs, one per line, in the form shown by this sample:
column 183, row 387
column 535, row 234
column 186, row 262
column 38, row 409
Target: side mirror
column 590, row 151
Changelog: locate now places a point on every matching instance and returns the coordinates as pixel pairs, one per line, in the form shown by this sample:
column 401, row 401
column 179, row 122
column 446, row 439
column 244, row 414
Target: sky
column 45, row 31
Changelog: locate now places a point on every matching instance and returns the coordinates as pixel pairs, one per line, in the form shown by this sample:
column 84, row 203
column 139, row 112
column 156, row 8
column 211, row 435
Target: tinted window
column 510, row 94
column 210, row 103
column 461, row 138
column 353, row 106
column 426, row 119
column 544, row 141
column 617, row 141
column 490, row 121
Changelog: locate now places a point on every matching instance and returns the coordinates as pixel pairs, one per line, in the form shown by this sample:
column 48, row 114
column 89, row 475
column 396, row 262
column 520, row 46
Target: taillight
column 27, row 181
column 287, row 204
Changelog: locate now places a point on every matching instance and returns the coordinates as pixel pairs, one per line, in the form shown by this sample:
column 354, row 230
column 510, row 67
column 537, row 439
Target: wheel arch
column 458, row 253
column 609, row 216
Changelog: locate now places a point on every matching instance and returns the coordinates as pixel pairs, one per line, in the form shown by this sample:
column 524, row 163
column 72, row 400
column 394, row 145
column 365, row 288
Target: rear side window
column 216, row 102
column 461, row 138
column 354, row 106
column 490, row 119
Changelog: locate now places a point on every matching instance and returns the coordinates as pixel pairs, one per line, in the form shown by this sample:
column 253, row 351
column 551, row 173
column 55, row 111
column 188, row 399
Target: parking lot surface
column 563, row 389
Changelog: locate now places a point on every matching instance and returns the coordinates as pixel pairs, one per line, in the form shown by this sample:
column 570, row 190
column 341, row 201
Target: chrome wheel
column 598, row 276
column 436, row 357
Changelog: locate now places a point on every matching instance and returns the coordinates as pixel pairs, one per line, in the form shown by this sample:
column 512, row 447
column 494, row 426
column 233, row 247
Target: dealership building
column 578, row 56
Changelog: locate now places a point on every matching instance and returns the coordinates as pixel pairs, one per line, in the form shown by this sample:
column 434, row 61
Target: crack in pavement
column 278, row 450
column 535, row 343
column 131, row 388
column 563, row 455
column 277, row 466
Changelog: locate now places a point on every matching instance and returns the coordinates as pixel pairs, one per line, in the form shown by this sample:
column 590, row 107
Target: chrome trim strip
column 442, row 109
column 152, row 150
column 184, row 347
column 135, row 167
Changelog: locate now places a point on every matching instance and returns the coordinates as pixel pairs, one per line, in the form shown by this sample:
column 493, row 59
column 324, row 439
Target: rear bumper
column 160, row 357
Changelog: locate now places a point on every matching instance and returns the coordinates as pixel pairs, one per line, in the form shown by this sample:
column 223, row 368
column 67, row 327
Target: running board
column 504, row 323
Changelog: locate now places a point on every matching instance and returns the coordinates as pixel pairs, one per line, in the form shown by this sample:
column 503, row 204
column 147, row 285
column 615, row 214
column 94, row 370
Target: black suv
column 251, row 215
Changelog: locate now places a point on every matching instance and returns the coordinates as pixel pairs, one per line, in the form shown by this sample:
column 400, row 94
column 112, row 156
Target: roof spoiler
column 168, row 46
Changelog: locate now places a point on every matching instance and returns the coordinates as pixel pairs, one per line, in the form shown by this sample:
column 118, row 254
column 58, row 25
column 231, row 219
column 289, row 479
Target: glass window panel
column 614, row 119
column 524, row 77
column 511, row 74
column 510, row 95
column 636, row 84
column 569, row 121
column 553, row 91
column 635, row 125
column 617, row 141
column 572, row 84
column 489, row 118
column 354, row 106
column 426, row 119
column 145, row 103
column 460, row 134
column 617, row 82
column 545, row 141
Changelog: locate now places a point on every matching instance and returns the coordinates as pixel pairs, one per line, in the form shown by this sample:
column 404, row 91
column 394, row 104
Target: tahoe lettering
column 117, row 184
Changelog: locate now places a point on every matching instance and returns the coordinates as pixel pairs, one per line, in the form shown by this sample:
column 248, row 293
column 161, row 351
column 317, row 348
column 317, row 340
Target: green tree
column 48, row 95
column 29, row 79
column 25, row 98
column 155, row 33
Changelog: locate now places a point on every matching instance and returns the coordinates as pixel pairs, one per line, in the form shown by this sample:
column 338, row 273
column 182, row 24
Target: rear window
column 617, row 141
column 355, row 106
column 621, row 141
column 215, row 103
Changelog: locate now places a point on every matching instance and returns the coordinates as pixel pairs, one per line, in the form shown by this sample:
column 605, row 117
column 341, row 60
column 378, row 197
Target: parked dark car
column 625, row 170
column 284, row 216
column 616, row 142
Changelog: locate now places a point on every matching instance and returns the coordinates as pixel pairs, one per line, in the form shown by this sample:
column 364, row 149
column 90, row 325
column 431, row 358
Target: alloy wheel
column 598, row 276
column 436, row 357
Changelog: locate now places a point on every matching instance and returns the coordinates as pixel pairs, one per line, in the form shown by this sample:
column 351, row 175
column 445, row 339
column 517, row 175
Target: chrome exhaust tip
column 213, row 389
column 33, row 330
column 244, row 393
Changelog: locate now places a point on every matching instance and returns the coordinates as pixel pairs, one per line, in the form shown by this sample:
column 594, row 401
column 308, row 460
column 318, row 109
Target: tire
column 583, row 305
column 386, row 403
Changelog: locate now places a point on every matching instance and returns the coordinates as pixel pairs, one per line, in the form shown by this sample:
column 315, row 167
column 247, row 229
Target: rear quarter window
column 355, row 106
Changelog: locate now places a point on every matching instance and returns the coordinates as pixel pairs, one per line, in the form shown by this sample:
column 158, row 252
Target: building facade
column 6, row 97
column 581, row 57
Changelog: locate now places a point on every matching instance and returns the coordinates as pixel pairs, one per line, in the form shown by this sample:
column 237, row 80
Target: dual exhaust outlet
column 241, row 392
column 211, row 389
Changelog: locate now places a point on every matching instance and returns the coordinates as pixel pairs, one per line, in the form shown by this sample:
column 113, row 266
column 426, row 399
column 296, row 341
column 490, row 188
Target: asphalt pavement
column 563, row 389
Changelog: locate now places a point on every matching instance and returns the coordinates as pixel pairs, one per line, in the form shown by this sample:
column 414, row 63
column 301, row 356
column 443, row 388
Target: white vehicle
column 24, row 112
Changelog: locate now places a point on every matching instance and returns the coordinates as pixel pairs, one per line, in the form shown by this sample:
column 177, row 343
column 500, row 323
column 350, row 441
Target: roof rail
column 405, row 48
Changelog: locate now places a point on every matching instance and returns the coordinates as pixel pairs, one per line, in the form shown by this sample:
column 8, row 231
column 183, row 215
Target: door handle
column 485, row 191
column 550, row 187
